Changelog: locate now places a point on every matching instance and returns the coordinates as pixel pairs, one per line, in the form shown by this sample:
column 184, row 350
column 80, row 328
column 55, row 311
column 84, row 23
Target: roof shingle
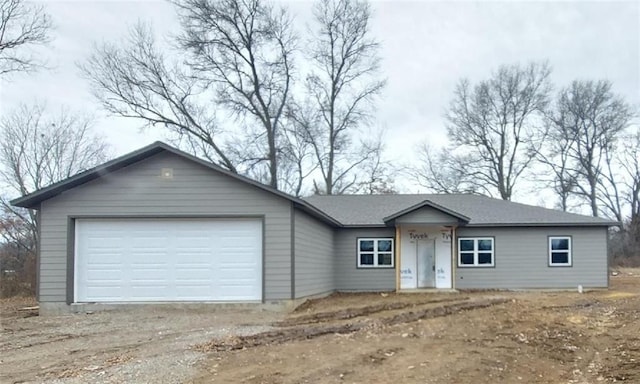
column 369, row 210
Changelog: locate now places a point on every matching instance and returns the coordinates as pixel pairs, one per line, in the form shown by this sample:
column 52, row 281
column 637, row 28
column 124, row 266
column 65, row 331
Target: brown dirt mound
column 350, row 313
column 306, row 332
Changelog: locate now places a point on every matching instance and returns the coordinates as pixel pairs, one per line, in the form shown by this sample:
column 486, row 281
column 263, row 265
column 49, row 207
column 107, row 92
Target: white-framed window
column 476, row 252
column 375, row 253
column 560, row 251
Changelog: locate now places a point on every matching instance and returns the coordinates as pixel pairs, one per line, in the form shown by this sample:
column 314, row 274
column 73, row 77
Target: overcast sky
column 427, row 46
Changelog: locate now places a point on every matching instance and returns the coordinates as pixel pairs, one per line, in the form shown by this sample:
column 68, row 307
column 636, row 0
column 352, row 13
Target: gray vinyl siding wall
column 426, row 216
column 348, row 276
column 314, row 261
column 138, row 190
column 522, row 259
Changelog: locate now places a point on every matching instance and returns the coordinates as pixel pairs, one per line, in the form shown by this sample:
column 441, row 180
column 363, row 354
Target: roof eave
column 549, row 224
column 352, row 226
column 499, row 225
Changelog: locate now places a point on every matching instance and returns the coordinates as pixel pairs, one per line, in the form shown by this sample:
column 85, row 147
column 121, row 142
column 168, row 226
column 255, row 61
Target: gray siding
column 138, row 190
column 351, row 278
column 314, row 261
column 426, row 215
column 521, row 259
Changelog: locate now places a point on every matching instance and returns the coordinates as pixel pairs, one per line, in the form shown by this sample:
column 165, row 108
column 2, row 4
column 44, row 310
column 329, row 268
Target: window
column 475, row 252
column 375, row 253
column 560, row 251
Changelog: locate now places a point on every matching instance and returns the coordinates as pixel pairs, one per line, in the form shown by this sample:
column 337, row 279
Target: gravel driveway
column 141, row 345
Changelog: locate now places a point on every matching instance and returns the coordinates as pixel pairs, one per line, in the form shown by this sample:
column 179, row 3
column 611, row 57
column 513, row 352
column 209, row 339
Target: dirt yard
column 468, row 337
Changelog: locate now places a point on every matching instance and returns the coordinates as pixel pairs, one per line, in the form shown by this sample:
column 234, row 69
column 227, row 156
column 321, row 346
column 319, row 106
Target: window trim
column 569, row 251
column 476, row 251
column 375, row 253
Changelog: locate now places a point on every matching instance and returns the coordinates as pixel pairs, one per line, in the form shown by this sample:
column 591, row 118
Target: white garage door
column 127, row 260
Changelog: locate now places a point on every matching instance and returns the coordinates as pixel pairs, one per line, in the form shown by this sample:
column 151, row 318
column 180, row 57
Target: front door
column 426, row 266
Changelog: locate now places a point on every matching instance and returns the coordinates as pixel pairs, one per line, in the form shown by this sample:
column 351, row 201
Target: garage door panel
column 238, row 243
column 193, row 282
column 148, row 239
column 236, row 292
column 200, row 239
column 149, row 293
column 237, row 274
column 191, row 254
column 104, row 253
column 200, row 257
column 143, row 256
column 240, row 261
column 146, row 284
column 137, row 260
column 192, row 292
column 240, row 253
column 184, row 275
column 104, row 275
column 148, row 275
column 97, row 241
column 245, row 284
column 114, row 257
column 105, row 292
column 105, row 261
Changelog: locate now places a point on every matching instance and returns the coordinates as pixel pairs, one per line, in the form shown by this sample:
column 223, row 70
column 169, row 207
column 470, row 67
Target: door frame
column 407, row 236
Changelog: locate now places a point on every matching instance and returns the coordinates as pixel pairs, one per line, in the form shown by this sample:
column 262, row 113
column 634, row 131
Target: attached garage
column 164, row 260
column 161, row 226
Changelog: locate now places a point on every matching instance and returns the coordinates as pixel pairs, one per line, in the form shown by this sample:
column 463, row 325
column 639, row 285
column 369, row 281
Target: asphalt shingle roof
column 369, row 210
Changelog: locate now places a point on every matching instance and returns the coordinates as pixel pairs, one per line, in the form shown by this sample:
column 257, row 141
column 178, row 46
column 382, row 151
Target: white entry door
column 425, row 257
column 146, row 260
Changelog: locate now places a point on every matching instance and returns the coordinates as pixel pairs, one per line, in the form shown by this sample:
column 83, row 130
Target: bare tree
column 22, row 26
column 630, row 167
column 498, row 125
column 341, row 87
column 297, row 159
column 441, row 171
column 625, row 247
column 556, row 166
column 239, row 59
column 376, row 173
column 608, row 189
column 244, row 49
column 133, row 78
column 591, row 118
column 38, row 149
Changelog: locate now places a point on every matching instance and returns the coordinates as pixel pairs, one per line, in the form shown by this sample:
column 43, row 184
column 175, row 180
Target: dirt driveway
column 469, row 337
column 134, row 346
